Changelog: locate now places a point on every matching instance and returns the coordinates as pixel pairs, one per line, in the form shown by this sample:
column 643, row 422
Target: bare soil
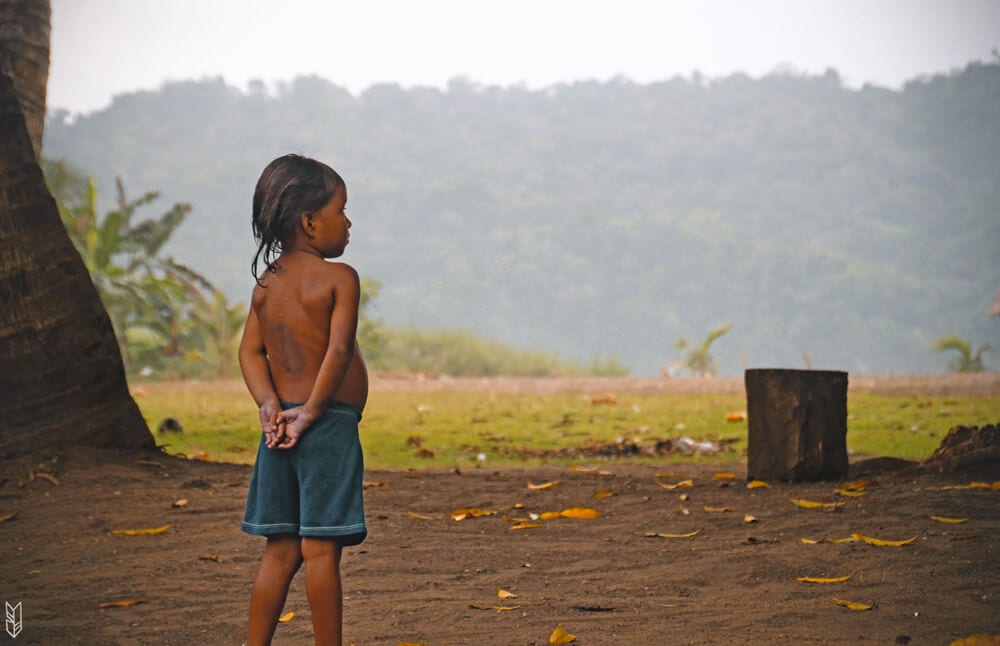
column 419, row 572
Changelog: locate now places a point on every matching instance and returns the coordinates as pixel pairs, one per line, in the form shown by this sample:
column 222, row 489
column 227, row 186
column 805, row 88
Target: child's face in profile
column 331, row 226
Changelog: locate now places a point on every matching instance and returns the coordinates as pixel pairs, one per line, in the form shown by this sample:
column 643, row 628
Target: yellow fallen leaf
column 413, row 514
column 525, row 526
column 560, row 636
column 470, row 512
column 683, row 497
column 669, row 474
column 123, row 603
column 995, row 486
column 367, row 484
column 857, row 485
column 579, row 512
column 50, row 478
column 543, row 486
column 288, row 616
column 736, row 416
column 810, row 504
column 677, row 485
column 757, row 484
column 518, row 505
column 496, row 608
column 10, row 516
column 140, row 532
column 809, row 541
column 813, row 579
column 853, row 605
column 972, row 485
column 549, row 515
column 603, row 494
column 979, row 639
column 659, row 535
column 583, row 469
column 503, row 594
column 717, row 510
column 847, row 493
column 747, row 518
column 180, row 503
column 724, row 475
column 880, row 542
column 951, row 521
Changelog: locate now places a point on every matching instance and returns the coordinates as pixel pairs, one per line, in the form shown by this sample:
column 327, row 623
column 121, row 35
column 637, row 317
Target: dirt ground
column 423, row 577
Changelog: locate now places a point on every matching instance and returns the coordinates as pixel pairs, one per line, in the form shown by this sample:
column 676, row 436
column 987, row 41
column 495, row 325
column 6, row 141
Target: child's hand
column 292, row 423
column 268, row 412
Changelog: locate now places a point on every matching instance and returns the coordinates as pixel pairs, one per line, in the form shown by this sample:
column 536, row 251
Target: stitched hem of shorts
column 342, row 530
column 267, row 530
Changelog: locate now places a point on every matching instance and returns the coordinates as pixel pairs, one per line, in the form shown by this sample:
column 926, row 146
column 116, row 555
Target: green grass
column 220, row 423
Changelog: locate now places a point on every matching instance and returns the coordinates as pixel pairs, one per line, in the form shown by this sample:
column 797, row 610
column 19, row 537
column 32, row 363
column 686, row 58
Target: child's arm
column 257, row 375
column 339, row 354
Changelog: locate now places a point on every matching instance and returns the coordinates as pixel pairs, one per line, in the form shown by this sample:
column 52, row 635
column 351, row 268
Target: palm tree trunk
column 24, row 54
column 62, row 382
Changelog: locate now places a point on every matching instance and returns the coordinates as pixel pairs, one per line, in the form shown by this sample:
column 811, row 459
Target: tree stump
column 797, row 422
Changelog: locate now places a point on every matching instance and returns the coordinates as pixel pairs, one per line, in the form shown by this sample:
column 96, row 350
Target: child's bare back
column 295, row 312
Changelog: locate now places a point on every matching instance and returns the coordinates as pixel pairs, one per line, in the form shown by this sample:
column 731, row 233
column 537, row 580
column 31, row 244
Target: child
column 301, row 363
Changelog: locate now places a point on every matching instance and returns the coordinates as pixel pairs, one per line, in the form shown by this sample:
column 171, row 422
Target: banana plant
column 699, row 361
column 966, row 361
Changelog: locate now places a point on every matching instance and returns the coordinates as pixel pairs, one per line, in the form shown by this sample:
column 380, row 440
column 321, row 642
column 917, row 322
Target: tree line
column 610, row 219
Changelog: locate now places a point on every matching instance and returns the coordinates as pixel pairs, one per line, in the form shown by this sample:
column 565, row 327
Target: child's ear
column 307, row 224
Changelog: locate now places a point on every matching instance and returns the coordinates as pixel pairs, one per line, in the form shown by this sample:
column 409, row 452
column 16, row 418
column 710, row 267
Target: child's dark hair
column 289, row 186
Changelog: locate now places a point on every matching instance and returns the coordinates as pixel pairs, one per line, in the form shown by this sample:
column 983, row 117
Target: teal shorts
column 314, row 488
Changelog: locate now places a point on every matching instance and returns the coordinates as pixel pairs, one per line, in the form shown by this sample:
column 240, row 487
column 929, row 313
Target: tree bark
column 62, row 382
column 797, row 424
column 24, row 54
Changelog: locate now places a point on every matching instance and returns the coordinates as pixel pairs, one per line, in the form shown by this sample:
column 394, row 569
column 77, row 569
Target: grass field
column 444, row 429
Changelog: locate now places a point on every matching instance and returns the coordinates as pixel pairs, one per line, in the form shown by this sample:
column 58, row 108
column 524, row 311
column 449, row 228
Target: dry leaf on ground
column 813, row 579
column 141, row 532
column 123, row 603
column 560, row 636
column 579, row 512
column 950, row 521
column 413, row 514
column 853, row 605
column 6, row 517
column 677, row 485
column 542, row 486
column 288, row 616
column 503, row 594
column 979, row 639
column 757, row 484
column 883, row 543
column 470, row 512
column 811, row 504
column 525, row 526
column 661, row 535
column 717, row 510
column 50, row 478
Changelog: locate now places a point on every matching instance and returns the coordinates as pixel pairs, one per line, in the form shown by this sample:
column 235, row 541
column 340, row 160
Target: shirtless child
column 300, row 360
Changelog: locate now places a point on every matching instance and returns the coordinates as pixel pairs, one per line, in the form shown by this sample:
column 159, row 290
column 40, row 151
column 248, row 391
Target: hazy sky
column 105, row 47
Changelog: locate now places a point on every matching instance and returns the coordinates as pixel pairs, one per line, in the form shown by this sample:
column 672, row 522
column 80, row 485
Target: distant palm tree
column 966, row 361
column 698, row 359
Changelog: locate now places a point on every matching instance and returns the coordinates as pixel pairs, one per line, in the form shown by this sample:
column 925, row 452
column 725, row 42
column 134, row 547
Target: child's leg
column 323, row 590
column 282, row 558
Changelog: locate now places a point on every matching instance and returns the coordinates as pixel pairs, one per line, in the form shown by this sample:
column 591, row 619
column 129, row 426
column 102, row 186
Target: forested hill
column 611, row 217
